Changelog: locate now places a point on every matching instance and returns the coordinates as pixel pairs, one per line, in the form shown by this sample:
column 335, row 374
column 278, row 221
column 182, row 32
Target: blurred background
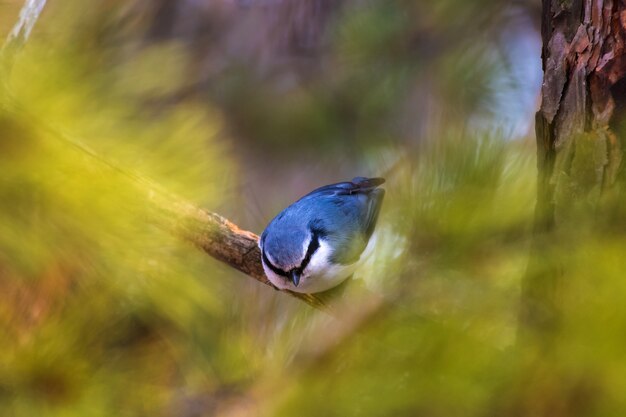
column 241, row 107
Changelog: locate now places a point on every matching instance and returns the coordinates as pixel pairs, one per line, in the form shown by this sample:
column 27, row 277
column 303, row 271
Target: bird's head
column 287, row 250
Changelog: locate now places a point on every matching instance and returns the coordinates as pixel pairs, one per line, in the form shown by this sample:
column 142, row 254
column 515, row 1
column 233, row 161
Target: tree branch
column 210, row 232
column 226, row 242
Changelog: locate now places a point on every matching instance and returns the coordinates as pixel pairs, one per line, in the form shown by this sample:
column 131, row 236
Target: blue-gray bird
column 317, row 242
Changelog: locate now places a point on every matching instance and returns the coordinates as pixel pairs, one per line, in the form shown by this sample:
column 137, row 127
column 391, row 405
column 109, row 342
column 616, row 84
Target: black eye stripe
column 274, row 269
column 313, row 246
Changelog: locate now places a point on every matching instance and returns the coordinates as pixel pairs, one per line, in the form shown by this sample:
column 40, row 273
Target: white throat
column 319, row 275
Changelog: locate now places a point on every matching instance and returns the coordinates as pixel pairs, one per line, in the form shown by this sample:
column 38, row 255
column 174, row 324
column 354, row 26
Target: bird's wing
column 374, row 204
column 366, row 199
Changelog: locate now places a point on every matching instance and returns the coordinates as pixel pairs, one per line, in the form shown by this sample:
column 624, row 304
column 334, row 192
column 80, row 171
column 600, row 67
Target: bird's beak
column 295, row 277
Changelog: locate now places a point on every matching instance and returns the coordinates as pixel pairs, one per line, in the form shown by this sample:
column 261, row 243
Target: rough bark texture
column 578, row 149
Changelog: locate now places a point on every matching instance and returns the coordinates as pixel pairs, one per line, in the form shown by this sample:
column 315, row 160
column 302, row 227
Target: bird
column 317, row 243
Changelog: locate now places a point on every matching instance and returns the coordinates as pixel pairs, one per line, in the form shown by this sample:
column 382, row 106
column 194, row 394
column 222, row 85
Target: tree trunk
column 577, row 127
